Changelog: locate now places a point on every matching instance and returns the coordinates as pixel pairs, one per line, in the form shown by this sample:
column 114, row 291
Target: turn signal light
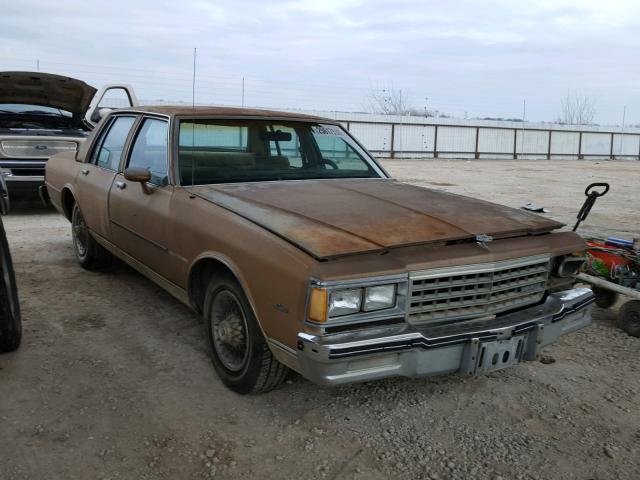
column 318, row 305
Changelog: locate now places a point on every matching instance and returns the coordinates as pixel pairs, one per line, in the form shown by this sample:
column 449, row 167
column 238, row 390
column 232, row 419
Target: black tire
column 238, row 350
column 10, row 322
column 90, row 254
column 605, row 298
column 629, row 318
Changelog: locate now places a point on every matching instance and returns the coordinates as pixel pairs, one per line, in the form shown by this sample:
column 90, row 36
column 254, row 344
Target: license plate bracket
column 495, row 355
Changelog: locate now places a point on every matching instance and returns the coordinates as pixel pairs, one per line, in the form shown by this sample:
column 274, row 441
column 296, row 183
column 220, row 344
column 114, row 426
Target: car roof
column 227, row 112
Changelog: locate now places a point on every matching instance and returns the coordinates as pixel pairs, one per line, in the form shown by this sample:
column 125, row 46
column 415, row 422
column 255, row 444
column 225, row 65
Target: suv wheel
column 238, row 350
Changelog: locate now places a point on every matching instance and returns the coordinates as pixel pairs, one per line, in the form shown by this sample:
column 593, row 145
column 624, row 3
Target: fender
column 235, row 270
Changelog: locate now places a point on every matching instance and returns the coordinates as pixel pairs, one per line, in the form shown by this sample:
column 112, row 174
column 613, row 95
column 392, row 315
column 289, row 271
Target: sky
column 465, row 58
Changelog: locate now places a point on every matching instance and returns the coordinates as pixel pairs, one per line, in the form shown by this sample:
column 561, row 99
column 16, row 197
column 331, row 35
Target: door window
column 150, row 150
column 109, row 152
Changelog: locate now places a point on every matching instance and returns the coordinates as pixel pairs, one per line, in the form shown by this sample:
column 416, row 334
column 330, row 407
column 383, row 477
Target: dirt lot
column 113, row 380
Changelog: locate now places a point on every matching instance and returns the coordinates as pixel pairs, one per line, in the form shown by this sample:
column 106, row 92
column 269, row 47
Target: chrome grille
column 36, row 148
column 469, row 291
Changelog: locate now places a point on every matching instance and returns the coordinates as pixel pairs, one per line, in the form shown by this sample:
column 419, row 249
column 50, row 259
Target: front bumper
column 467, row 347
column 23, row 174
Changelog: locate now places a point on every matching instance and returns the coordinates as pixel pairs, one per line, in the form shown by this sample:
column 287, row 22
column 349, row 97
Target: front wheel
column 90, row 254
column 238, row 350
column 629, row 318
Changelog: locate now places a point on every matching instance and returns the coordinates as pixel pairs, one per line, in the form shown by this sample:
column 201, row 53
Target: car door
column 97, row 175
column 140, row 214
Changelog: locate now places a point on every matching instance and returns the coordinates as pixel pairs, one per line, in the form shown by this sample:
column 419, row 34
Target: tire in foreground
column 10, row 320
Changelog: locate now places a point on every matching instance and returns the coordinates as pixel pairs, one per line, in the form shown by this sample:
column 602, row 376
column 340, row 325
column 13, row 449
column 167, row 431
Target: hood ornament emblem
column 482, row 239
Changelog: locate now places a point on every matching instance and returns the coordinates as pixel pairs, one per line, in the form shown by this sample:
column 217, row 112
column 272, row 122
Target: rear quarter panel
column 60, row 173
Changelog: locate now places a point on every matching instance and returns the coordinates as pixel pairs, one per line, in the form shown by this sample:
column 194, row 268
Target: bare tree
column 387, row 100
column 577, row 109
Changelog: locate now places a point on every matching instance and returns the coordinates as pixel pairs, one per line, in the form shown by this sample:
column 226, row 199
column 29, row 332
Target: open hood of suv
column 329, row 218
column 46, row 89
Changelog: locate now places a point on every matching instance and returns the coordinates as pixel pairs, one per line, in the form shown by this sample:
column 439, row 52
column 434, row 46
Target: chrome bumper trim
column 23, row 178
column 426, row 350
column 22, row 163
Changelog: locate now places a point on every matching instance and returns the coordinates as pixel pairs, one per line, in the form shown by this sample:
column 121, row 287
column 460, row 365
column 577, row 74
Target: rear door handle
column 121, row 185
column 84, row 171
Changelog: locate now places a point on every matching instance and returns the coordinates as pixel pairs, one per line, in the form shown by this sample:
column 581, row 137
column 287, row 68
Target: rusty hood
column 46, row 89
column 330, row 218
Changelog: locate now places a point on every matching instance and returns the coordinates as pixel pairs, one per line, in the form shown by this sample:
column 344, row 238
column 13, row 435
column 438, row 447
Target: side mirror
column 141, row 175
column 100, row 113
column 137, row 174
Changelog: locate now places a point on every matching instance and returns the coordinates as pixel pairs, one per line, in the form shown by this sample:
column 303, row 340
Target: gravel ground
column 113, row 380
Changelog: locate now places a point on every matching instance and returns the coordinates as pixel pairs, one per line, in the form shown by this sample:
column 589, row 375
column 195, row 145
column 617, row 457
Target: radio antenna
column 193, row 124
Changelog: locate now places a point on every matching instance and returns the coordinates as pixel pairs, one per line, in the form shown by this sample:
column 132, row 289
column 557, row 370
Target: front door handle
column 121, row 185
column 84, row 171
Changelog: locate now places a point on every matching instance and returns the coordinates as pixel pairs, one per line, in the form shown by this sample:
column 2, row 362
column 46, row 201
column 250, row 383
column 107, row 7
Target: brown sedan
column 300, row 252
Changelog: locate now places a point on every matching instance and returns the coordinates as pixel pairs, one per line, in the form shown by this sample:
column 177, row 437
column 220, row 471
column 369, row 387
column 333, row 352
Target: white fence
column 394, row 136
column 409, row 137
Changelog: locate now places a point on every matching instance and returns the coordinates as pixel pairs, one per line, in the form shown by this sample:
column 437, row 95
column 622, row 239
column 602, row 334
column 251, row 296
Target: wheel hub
column 79, row 230
column 229, row 331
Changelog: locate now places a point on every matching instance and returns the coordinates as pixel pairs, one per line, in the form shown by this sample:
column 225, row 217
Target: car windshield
column 214, row 151
column 32, row 109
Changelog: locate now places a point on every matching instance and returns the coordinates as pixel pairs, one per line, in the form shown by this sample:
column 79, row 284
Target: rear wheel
column 605, row 298
column 90, row 254
column 10, row 323
column 629, row 318
column 238, row 350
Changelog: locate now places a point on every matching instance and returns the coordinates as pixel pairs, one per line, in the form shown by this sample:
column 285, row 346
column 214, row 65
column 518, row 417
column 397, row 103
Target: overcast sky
column 482, row 58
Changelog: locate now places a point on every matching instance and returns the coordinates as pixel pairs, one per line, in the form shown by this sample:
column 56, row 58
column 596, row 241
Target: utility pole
column 624, row 114
column 193, row 84
column 37, row 65
column 242, row 92
column 524, row 116
column 401, row 114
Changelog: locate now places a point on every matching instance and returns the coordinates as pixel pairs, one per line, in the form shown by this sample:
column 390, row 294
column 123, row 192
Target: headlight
column 379, row 297
column 358, row 300
column 344, row 302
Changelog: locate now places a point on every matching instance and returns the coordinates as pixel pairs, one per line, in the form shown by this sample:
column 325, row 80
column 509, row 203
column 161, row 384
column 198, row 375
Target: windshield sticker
column 327, row 130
